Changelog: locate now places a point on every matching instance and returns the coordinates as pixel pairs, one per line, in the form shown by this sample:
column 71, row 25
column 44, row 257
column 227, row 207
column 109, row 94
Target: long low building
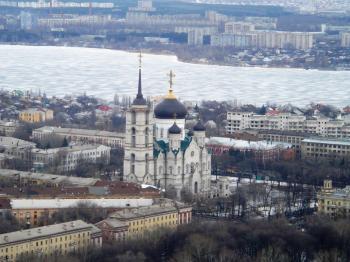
column 134, row 223
column 46, row 179
column 68, row 158
column 38, row 211
column 49, row 241
column 261, row 150
column 323, row 148
column 112, row 139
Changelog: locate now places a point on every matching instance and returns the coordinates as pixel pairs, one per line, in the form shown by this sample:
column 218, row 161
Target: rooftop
column 142, row 212
column 244, row 144
column 29, row 234
column 73, row 148
column 329, row 141
column 76, row 131
column 58, row 203
column 50, row 178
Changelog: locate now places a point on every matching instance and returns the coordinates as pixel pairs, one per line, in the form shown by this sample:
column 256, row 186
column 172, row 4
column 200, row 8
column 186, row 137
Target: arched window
column 132, row 163
column 196, row 187
column 160, row 170
column 146, row 136
column 133, row 117
column 147, row 164
column 161, row 132
column 179, row 170
column 170, row 170
column 133, row 136
column 147, row 118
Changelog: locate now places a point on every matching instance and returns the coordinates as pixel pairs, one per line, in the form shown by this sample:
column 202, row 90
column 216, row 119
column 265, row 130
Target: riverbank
column 169, row 52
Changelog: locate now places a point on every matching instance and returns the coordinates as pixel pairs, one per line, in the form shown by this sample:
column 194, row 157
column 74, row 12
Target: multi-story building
column 233, row 40
column 150, row 218
column 49, row 241
column 33, row 178
column 260, row 150
column 112, row 139
column 74, row 20
column 36, row 115
column 8, row 128
column 321, row 148
column 196, row 34
column 68, row 158
column 17, row 149
column 113, row 230
column 287, row 122
column 334, row 202
column 36, row 211
column 239, row 27
column 345, row 39
column 263, row 39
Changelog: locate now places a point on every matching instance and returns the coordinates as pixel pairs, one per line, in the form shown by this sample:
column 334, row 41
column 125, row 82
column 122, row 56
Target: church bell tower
column 138, row 146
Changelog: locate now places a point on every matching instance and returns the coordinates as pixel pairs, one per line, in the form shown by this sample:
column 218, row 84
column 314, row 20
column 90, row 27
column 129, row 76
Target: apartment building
column 36, row 115
column 150, row 218
column 48, row 241
column 17, row 149
column 317, row 125
column 260, row 150
column 8, row 128
column 235, row 32
column 324, row 148
column 334, row 202
column 345, row 39
column 68, row 158
column 47, row 180
column 106, row 138
column 113, row 230
column 239, row 27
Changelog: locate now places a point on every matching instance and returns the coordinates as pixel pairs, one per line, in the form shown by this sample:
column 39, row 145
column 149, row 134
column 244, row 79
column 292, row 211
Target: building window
column 133, row 117
column 132, row 163
column 146, row 136
column 147, row 164
column 133, row 137
column 196, row 187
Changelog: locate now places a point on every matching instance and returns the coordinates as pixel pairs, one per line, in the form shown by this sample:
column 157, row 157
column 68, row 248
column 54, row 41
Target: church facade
column 158, row 149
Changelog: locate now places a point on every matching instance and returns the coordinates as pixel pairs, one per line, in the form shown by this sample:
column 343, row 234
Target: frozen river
column 102, row 73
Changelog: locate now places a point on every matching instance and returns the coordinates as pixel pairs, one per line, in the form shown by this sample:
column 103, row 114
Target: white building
column 345, row 39
column 159, row 152
column 286, row 121
column 68, row 158
column 112, row 139
column 16, row 148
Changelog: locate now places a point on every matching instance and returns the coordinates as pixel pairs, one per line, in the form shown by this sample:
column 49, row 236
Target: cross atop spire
column 170, row 94
column 171, row 78
column 140, row 59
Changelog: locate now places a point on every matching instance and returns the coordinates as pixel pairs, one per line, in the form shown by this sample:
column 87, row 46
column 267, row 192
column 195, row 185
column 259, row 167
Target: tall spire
column 139, row 100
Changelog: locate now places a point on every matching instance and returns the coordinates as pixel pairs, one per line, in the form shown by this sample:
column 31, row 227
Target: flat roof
column 143, row 212
column 342, row 142
column 244, row 144
column 77, row 131
column 29, row 234
column 51, row 178
column 57, row 203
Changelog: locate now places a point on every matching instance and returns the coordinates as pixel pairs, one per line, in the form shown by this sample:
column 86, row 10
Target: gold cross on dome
column 171, row 78
column 140, row 59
